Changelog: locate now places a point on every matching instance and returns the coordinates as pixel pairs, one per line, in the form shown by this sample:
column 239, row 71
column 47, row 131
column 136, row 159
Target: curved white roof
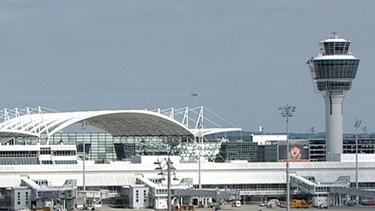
column 338, row 57
column 335, row 40
column 116, row 122
column 208, row 131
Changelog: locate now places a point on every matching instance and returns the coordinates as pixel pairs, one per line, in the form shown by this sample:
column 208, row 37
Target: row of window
column 65, row 153
column 26, row 199
column 336, row 48
column 137, row 196
column 19, row 161
column 33, row 161
column 247, row 187
column 18, row 154
column 335, row 68
column 273, row 187
column 333, row 86
column 59, row 162
column 29, row 154
column 101, row 143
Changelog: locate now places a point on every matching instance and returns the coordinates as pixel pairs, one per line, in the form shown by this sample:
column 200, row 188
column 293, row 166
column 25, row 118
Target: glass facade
column 102, row 147
column 335, row 48
column 318, row 147
column 99, row 145
column 233, row 150
column 336, row 68
column 333, row 86
column 365, row 146
column 317, row 150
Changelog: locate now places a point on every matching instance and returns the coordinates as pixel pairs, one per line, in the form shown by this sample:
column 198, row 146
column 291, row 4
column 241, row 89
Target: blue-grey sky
column 245, row 58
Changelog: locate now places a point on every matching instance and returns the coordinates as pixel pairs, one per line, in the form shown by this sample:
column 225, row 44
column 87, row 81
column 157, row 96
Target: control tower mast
column 332, row 72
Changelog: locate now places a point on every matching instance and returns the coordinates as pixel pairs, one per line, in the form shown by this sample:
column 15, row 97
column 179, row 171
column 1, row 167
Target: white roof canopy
column 116, row 122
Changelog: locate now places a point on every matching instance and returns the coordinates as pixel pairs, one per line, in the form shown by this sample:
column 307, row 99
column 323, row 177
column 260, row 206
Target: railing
column 93, row 198
column 262, row 192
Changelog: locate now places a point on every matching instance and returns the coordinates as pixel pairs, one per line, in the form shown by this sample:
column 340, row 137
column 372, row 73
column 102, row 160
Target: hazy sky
column 245, row 58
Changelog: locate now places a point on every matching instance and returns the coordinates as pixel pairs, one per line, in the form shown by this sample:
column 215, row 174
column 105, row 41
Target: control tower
column 332, row 72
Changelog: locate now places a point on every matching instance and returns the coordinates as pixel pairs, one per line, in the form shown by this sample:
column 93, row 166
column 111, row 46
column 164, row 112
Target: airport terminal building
column 119, row 161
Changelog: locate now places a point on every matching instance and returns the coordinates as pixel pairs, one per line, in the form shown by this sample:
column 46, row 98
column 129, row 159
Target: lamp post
column 84, row 125
column 356, row 126
column 199, row 125
column 169, row 183
column 200, row 144
column 287, row 111
column 199, row 157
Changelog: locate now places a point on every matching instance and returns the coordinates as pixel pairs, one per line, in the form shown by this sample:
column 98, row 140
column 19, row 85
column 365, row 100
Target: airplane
column 194, row 94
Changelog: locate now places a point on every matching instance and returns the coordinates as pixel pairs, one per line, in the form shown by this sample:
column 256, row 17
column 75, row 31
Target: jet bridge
column 55, row 198
column 337, row 193
column 214, row 193
column 219, row 196
column 186, row 194
column 311, row 187
column 354, row 192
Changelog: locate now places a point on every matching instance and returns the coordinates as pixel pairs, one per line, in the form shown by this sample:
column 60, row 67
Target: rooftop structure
column 41, row 123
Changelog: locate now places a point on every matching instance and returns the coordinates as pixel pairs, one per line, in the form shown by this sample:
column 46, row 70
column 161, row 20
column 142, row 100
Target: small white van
column 236, row 204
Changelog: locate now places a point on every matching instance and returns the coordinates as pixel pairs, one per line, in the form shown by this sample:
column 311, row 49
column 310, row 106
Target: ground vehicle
column 323, row 206
column 216, row 205
column 211, row 204
column 300, row 203
column 236, row 204
column 271, row 204
column 263, row 204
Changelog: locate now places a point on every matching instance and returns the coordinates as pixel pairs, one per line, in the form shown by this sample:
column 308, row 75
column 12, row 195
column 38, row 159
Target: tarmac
column 249, row 208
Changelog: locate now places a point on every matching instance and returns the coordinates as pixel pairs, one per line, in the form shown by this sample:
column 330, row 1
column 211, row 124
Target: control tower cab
column 332, row 72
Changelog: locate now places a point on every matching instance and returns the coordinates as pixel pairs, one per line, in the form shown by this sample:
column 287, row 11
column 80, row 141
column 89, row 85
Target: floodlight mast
column 356, row 126
column 332, row 72
column 84, row 126
column 170, row 168
column 287, row 112
column 168, row 163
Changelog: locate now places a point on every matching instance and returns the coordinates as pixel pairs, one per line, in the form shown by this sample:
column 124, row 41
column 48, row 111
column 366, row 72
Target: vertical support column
column 334, row 124
column 169, row 183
